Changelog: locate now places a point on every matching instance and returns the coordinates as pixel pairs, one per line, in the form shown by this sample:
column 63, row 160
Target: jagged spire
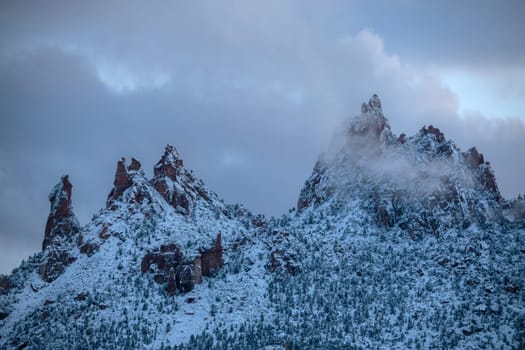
column 169, row 163
column 375, row 102
column 166, row 180
column 61, row 220
column 126, row 176
column 61, row 228
column 175, row 183
column 371, row 124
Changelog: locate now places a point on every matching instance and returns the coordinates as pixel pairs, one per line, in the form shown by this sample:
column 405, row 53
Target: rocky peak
column 126, row 177
column 122, row 180
column 365, row 137
column 169, row 164
column 374, row 102
column 134, row 166
column 61, row 228
column 482, row 170
column 61, row 220
column 175, row 183
column 371, row 124
column 419, row 183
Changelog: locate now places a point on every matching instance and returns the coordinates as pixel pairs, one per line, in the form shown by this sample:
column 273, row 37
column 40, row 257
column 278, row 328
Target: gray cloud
column 249, row 93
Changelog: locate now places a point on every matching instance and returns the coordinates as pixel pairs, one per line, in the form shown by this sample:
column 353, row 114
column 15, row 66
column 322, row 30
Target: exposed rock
column 130, row 186
column 309, row 194
column 302, row 203
column 61, row 228
column 176, row 184
column 375, row 102
column 488, row 179
column 437, row 133
column 89, row 248
column 61, row 222
column 105, row 232
column 168, row 164
column 484, row 172
column 54, row 263
column 122, row 181
column 168, row 256
column 474, row 158
column 212, row 258
column 166, row 180
column 280, row 259
column 4, row 282
column 169, row 264
column 134, row 166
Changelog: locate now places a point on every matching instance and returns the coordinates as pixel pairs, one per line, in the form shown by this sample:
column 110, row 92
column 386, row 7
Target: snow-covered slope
column 397, row 242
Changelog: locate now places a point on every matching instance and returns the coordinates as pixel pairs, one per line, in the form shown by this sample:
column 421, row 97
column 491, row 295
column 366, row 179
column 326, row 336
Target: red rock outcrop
column 212, row 258
column 372, row 122
column 483, row 170
column 61, row 229
column 61, row 221
column 130, row 185
column 474, row 158
column 5, row 284
column 134, row 166
column 54, row 264
column 169, row 265
column 176, row 184
column 122, row 181
column 279, row 259
column 488, row 179
column 166, row 257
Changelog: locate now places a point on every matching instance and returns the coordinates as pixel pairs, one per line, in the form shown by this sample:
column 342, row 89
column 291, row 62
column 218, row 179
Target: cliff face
column 62, row 228
column 61, row 221
column 397, row 242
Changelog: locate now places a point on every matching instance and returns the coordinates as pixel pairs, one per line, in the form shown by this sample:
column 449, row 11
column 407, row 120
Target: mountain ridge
column 396, row 242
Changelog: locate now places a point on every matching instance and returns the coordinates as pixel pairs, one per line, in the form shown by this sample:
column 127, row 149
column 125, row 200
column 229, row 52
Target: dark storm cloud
column 249, row 93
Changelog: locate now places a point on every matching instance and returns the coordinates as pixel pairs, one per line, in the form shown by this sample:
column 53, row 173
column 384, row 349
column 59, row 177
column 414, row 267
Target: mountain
column 396, row 242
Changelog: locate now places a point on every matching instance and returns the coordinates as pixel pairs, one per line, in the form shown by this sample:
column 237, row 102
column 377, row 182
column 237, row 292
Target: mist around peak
column 366, row 146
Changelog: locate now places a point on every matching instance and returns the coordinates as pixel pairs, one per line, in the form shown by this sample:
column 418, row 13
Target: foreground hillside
column 396, row 242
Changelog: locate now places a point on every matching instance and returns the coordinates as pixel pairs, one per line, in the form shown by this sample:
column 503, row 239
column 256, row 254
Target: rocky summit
column 397, row 242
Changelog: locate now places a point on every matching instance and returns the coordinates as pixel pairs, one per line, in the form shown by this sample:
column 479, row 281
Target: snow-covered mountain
column 396, row 242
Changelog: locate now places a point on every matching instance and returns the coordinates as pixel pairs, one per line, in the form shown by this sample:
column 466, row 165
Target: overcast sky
column 249, row 92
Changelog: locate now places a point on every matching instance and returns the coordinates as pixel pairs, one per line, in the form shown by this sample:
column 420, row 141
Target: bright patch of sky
column 122, row 79
column 476, row 93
